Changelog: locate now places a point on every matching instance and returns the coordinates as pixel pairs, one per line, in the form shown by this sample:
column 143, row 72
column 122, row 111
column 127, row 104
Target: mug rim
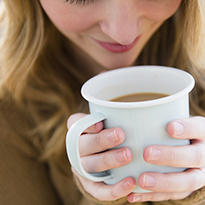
column 105, row 103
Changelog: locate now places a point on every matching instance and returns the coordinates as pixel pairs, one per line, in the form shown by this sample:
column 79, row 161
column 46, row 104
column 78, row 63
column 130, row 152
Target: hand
column 93, row 144
column 175, row 185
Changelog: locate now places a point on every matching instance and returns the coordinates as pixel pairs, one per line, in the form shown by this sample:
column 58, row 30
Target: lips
column 117, row 48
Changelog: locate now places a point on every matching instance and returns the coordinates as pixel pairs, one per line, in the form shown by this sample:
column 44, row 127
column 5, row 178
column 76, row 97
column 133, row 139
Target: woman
column 48, row 49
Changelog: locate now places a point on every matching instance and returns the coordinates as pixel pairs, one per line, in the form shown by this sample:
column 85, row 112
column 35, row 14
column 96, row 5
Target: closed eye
column 80, row 2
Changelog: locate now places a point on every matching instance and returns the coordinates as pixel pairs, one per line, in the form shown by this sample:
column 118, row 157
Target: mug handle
column 72, row 146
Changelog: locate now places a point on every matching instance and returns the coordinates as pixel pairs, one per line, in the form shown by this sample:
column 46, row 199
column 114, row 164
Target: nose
column 121, row 21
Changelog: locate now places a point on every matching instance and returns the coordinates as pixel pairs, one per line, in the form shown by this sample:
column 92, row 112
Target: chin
column 109, row 65
column 111, row 60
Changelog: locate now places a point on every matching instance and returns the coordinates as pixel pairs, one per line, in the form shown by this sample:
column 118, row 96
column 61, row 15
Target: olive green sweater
column 25, row 180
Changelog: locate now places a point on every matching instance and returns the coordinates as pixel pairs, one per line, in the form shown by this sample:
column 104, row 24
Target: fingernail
column 137, row 198
column 121, row 156
column 112, row 136
column 127, row 185
column 154, row 154
column 149, row 181
column 178, row 128
column 97, row 126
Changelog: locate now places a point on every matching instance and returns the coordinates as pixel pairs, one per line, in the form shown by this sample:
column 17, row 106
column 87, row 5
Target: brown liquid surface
column 137, row 97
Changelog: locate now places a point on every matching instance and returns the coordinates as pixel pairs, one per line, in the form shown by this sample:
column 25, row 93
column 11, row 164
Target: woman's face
column 112, row 32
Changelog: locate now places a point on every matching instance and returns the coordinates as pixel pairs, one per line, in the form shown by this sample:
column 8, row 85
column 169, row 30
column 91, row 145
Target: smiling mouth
column 117, row 48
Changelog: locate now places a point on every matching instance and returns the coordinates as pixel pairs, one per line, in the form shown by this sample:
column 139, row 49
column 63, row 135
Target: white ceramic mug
column 144, row 123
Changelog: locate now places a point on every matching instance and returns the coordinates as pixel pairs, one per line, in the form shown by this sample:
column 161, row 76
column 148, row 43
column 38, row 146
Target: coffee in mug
column 136, row 97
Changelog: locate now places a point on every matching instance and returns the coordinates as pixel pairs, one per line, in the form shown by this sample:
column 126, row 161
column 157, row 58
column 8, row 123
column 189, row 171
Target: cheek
column 161, row 10
column 65, row 18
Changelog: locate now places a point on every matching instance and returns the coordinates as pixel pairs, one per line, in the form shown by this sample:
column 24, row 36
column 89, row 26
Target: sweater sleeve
column 23, row 179
column 196, row 198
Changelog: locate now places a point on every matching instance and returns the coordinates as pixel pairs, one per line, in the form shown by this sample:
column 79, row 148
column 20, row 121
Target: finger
column 92, row 129
column 176, row 156
column 103, row 192
column 106, row 139
column 103, row 71
column 106, row 160
column 156, row 196
column 187, row 181
column 191, row 128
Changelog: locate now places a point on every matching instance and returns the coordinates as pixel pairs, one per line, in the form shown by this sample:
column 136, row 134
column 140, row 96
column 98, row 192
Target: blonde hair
column 38, row 70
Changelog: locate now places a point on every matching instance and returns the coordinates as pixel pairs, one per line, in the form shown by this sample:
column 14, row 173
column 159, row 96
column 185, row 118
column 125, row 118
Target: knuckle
column 192, row 125
column 167, row 183
column 200, row 118
column 173, row 156
column 98, row 140
column 199, row 155
column 84, row 164
column 152, row 197
column 105, row 161
column 196, row 127
column 114, row 195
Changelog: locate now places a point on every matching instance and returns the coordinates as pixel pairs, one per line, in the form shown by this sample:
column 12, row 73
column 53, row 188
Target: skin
column 109, row 25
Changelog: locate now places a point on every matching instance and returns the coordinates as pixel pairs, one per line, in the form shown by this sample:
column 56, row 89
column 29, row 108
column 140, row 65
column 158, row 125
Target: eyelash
column 80, row 2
